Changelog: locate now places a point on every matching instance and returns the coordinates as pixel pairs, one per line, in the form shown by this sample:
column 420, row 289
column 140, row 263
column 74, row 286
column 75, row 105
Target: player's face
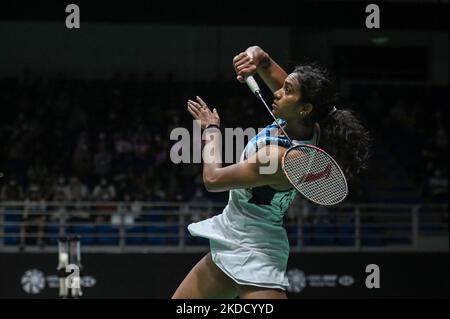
column 286, row 99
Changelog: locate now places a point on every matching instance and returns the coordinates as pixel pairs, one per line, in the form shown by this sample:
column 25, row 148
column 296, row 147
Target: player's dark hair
column 343, row 135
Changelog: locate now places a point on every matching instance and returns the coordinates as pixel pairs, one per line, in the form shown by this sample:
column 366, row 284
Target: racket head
column 315, row 174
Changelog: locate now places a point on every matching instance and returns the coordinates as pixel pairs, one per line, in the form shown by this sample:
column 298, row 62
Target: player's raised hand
column 200, row 111
column 246, row 63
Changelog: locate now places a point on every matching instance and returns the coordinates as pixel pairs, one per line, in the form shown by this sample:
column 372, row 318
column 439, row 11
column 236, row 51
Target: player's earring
column 306, row 112
column 303, row 114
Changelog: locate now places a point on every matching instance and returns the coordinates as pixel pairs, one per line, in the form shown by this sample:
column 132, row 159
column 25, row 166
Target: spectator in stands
column 437, row 187
column 77, row 190
column 121, row 144
column 136, row 208
column 103, row 158
column 82, row 156
column 11, row 191
column 199, row 196
column 38, row 173
column 123, row 214
column 61, row 191
column 158, row 193
column 34, row 218
column 128, row 211
column 104, row 192
column 141, row 141
column 442, row 139
column 78, row 193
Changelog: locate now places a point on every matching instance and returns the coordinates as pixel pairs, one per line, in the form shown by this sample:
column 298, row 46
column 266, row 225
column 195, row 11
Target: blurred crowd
column 68, row 139
column 412, row 122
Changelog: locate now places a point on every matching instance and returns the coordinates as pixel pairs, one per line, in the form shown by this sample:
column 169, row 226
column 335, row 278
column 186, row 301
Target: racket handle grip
column 251, row 82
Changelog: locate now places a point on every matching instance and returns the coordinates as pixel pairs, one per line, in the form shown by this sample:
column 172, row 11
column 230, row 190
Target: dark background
column 402, row 276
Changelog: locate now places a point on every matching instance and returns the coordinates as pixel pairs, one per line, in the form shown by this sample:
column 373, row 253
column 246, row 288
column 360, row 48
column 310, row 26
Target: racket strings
column 315, row 175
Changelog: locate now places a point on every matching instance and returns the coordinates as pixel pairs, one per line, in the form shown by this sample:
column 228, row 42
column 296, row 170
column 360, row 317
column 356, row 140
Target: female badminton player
column 249, row 247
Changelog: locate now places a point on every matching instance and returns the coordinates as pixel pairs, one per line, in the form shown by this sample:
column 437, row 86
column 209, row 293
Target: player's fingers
column 192, row 112
column 194, row 108
column 243, row 67
column 194, row 105
column 242, row 62
column 240, row 78
column 246, row 72
column 239, row 57
column 202, row 103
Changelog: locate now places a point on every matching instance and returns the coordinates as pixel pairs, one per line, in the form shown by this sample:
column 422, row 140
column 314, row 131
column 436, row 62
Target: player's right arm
column 262, row 168
column 256, row 60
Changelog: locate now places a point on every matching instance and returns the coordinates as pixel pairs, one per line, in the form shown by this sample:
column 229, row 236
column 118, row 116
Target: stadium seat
column 10, row 239
column 86, row 233
column 292, row 233
column 346, row 234
column 135, row 239
column 400, row 234
column 308, row 233
column 324, row 235
column 172, row 231
column 51, row 234
column 155, row 235
column 107, row 235
column 370, row 235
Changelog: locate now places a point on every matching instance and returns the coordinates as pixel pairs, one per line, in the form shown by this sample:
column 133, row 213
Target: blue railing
column 145, row 226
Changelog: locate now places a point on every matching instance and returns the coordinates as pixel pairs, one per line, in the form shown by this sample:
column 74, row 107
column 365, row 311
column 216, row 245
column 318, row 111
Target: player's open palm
column 200, row 111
